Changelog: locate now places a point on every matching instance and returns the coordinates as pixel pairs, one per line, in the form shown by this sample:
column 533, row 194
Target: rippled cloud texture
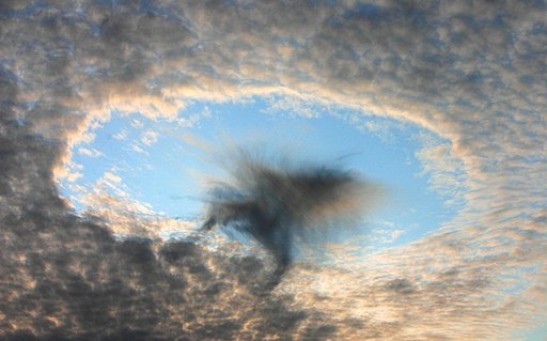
column 471, row 71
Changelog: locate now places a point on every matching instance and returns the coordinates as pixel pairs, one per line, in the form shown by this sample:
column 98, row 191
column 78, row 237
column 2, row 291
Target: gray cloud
column 470, row 71
column 76, row 281
column 275, row 204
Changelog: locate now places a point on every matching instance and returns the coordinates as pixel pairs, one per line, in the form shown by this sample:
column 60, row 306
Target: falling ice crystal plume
column 276, row 204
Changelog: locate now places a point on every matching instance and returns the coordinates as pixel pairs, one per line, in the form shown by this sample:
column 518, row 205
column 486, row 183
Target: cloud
column 409, row 293
column 149, row 138
column 294, row 106
column 469, row 71
column 445, row 170
column 89, row 152
column 276, row 204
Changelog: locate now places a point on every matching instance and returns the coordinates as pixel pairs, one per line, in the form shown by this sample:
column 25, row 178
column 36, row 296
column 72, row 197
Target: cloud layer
column 471, row 71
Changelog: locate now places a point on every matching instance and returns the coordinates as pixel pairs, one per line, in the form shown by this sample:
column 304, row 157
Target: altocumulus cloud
column 471, row 71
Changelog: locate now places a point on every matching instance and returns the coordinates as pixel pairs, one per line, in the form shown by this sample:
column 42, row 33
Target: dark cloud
column 400, row 285
column 277, row 204
column 66, row 278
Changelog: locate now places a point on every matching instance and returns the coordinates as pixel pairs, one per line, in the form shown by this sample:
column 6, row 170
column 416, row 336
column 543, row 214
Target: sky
column 118, row 117
column 167, row 171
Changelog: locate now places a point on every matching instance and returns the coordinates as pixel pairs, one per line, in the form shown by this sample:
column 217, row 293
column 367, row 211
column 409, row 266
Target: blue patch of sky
column 535, row 334
column 166, row 174
column 518, row 281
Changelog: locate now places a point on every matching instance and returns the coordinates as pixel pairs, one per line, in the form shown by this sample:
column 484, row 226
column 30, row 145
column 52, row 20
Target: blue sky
column 165, row 172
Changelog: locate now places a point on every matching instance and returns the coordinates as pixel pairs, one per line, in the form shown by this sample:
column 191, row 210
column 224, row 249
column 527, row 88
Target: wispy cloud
column 91, row 152
column 276, row 203
column 149, row 138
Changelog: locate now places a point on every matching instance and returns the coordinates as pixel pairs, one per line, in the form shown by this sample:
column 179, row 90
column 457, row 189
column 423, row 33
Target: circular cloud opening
column 150, row 176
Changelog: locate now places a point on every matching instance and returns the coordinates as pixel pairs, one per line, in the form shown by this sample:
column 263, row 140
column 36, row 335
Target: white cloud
column 445, row 170
column 138, row 124
column 111, row 177
column 138, row 149
column 91, row 152
column 387, row 236
column 149, row 137
column 121, row 135
column 292, row 105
